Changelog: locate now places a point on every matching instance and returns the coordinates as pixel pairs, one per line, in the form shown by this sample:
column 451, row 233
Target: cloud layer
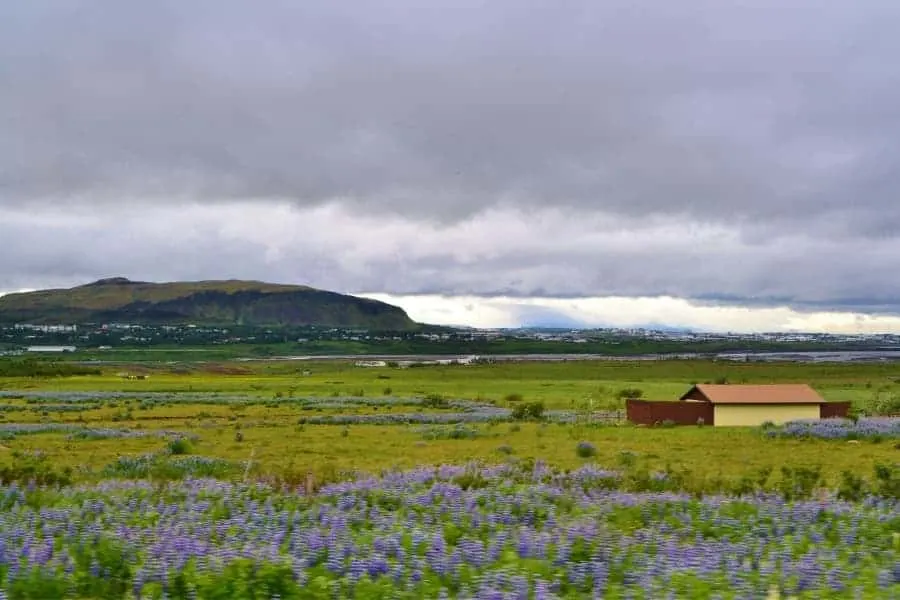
column 727, row 153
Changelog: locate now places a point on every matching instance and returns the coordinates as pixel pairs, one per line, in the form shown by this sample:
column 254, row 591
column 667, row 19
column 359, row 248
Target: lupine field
column 202, row 486
column 444, row 532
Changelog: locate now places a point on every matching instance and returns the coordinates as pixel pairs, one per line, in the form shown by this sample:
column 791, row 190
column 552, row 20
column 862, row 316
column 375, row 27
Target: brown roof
column 755, row 394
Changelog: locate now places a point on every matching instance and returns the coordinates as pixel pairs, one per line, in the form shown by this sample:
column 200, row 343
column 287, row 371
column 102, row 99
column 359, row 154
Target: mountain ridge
column 221, row 302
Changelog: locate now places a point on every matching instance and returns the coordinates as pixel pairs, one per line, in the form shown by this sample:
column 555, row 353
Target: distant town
column 24, row 338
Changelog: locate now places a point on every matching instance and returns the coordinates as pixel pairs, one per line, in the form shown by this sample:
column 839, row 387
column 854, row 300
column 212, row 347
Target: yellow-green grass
column 558, row 385
column 278, row 445
column 279, row 448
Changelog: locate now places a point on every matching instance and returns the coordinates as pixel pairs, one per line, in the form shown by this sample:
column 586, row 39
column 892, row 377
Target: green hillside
column 207, row 302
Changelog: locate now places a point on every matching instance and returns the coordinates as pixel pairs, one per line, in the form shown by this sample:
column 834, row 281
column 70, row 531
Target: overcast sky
column 730, row 164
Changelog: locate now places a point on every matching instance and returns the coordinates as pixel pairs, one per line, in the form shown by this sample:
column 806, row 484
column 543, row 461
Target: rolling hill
column 118, row 299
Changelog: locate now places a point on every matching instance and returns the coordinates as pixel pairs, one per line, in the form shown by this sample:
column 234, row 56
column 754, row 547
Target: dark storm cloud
column 714, row 110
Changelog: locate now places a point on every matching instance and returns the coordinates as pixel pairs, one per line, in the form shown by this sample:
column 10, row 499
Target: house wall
column 750, row 415
column 649, row 412
column 830, row 410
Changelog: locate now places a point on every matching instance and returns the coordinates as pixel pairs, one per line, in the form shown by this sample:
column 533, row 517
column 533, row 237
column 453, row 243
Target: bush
column 513, row 398
column 179, row 446
column 630, row 393
column 435, row 401
column 585, row 450
column 883, row 404
column 627, row 459
column 505, row 449
column 34, row 467
column 799, row 483
column 852, row 487
column 531, row 410
column 471, row 480
column 887, row 480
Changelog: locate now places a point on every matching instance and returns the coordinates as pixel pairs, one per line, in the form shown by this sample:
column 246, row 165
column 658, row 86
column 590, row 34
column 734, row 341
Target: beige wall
column 730, row 415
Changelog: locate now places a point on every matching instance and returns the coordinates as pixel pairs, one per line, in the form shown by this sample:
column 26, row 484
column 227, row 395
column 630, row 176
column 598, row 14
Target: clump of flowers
column 839, row 429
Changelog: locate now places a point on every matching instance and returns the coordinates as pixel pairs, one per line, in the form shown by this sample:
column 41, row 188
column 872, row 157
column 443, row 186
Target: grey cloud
column 779, row 121
column 329, row 251
column 762, row 111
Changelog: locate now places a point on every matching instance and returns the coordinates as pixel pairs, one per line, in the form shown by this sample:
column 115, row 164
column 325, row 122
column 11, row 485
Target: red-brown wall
column 830, row 410
column 651, row 412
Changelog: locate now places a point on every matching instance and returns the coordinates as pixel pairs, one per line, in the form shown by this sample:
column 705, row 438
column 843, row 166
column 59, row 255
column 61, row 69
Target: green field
column 260, row 429
column 313, row 481
column 558, row 384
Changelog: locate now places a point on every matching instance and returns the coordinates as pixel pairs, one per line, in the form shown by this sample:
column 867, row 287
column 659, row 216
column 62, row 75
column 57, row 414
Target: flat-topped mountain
column 118, row 299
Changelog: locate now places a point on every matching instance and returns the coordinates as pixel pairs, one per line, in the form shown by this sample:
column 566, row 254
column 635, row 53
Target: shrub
column 531, row 410
column 627, row 459
column 471, row 480
column 505, row 449
column 799, row 483
column 179, row 445
column 585, row 450
column 513, row 398
column 887, row 480
column 883, row 404
column 238, row 436
column 852, row 487
column 435, row 401
column 630, row 393
column 34, row 467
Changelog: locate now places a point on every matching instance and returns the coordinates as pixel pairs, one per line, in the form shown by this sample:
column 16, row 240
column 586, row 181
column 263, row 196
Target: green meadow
column 252, row 416
column 557, row 384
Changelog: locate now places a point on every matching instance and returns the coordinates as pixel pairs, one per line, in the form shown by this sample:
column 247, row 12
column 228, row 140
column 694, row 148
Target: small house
column 752, row 405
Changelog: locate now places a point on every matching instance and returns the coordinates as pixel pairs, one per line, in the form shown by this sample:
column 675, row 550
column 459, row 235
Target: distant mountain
column 118, row 299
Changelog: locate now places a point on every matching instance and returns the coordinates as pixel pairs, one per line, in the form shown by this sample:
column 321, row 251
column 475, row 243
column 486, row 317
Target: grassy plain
column 270, row 437
column 557, row 384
